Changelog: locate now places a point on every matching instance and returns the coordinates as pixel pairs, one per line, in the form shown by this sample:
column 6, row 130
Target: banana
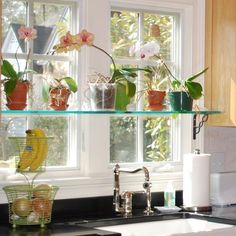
column 42, row 149
column 29, row 153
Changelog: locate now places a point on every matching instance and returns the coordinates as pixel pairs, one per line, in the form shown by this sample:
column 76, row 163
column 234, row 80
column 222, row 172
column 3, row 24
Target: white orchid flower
column 149, row 49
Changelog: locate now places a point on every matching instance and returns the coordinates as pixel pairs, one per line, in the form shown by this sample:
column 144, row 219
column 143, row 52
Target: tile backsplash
column 220, row 142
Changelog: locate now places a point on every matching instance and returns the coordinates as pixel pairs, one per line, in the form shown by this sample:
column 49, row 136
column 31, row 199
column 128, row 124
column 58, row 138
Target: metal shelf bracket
column 197, row 127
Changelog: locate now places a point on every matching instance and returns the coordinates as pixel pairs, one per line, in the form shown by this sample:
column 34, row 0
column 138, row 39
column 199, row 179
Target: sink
column 175, row 227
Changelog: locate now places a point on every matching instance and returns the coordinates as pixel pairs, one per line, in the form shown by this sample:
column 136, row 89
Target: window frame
column 94, row 178
column 175, row 58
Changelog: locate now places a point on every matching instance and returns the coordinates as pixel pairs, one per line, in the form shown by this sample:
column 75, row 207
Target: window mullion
column 30, row 23
column 140, row 130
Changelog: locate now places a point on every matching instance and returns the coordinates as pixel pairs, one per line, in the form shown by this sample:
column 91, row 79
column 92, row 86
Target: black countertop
column 85, row 227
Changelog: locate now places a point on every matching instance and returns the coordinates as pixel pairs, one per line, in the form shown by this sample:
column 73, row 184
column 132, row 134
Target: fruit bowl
column 30, row 205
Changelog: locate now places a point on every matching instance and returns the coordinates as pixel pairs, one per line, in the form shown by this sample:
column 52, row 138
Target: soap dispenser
column 169, row 195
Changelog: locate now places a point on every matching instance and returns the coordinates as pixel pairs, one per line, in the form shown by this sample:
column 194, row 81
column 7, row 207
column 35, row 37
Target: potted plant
column 124, row 86
column 156, row 83
column 156, row 78
column 57, row 92
column 181, row 92
column 16, row 84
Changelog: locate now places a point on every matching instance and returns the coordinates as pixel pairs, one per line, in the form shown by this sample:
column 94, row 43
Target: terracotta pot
column 59, row 98
column 17, row 100
column 155, row 100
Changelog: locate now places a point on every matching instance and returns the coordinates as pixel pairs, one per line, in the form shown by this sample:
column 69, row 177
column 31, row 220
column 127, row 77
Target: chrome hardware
column 197, row 128
column 196, row 151
column 125, row 206
column 127, row 202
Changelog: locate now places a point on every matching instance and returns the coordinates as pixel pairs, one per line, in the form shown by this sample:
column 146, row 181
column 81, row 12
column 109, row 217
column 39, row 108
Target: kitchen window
column 88, row 164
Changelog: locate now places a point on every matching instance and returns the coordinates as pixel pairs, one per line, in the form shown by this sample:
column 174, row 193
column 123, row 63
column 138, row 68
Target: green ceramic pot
column 180, row 101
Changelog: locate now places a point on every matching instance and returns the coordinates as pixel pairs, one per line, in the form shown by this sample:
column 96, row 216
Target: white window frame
column 172, row 165
column 73, row 120
column 95, row 178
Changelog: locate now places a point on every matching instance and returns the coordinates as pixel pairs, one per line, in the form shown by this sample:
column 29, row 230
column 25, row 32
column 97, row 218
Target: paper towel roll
column 196, row 180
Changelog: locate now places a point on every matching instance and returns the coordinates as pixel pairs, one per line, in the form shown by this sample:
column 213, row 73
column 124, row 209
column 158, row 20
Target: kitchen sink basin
column 175, row 227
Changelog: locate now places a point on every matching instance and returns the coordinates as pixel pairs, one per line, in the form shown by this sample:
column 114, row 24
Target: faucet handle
column 147, row 185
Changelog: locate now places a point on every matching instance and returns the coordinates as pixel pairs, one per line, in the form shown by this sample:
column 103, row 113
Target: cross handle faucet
column 126, row 206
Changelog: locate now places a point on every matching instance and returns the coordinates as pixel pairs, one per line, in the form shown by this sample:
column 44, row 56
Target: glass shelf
column 81, row 112
column 196, row 123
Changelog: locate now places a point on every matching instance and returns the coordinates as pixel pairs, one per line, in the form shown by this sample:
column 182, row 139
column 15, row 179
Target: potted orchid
column 118, row 84
column 156, row 80
column 58, row 91
column 181, row 92
column 15, row 82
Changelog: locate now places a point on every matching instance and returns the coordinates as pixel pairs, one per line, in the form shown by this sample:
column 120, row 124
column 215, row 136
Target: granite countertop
column 85, row 227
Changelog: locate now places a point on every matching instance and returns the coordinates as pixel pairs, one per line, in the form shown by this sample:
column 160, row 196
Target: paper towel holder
column 197, row 208
column 197, row 151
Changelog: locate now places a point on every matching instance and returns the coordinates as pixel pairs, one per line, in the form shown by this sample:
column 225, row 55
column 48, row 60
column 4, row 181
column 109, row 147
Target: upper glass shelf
column 81, row 112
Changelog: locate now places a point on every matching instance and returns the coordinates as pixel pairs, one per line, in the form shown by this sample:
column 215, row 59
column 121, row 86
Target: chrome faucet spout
column 127, row 196
column 146, row 173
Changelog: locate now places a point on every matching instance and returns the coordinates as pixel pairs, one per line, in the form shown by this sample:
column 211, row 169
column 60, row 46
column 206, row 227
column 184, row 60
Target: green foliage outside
column 165, row 24
column 156, row 131
column 156, row 139
column 122, row 139
column 57, row 128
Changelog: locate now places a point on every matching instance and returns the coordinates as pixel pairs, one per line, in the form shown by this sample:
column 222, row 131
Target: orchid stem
column 113, row 62
column 27, row 60
column 18, row 64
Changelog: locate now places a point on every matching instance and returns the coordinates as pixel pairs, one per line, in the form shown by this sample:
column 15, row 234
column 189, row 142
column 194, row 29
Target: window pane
column 47, row 72
column 153, row 134
column 57, row 128
column 10, row 127
column 46, row 19
column 156, row 139
column 163, row 24
column 14, row 15
column 123, row 140
column 124, row 32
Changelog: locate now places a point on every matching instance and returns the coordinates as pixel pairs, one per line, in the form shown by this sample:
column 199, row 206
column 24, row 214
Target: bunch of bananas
column 35, row 151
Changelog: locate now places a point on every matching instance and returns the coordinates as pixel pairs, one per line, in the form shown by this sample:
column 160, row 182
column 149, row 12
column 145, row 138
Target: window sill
column 93, row 186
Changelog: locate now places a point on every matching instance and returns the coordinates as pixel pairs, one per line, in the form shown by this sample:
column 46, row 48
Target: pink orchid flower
column 66, row 40
column 85, row 37
column 27, row 33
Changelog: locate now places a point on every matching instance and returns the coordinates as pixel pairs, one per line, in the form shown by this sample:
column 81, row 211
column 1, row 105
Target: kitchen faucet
column 123, row 203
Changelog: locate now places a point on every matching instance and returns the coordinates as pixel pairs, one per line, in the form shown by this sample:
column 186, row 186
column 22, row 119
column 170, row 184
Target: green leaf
column 194, row 89
column 45, row 92
column 8, row 71
column 174, row 116
column 130, row 89
column 193, row 77
column 9, row 86
column 122, row 100
column 71, row 84
column 176, row 84
column 123, row 73
column 21, row 73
